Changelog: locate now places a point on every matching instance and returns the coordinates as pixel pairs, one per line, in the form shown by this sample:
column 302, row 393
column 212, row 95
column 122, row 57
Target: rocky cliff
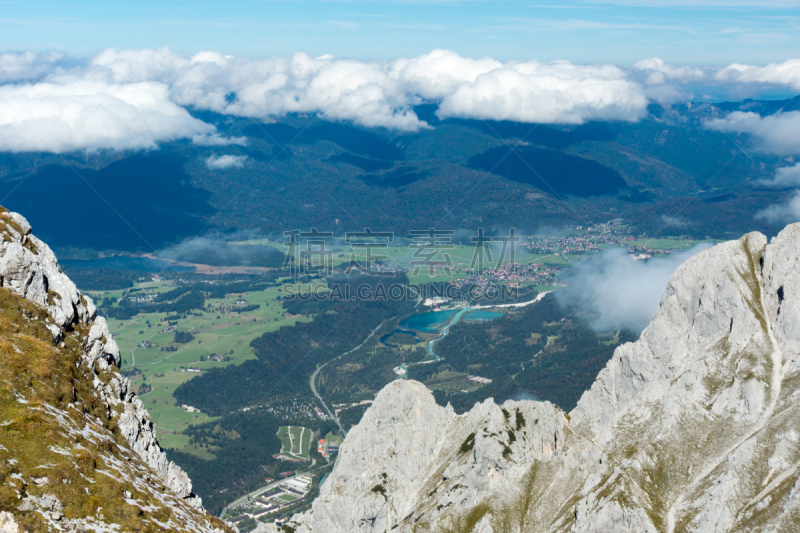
column 78, row 451
column 694, row 427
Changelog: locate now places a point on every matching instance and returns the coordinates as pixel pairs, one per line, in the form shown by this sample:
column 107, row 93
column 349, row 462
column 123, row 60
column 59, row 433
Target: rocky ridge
column 694, row 427
column 79, row 451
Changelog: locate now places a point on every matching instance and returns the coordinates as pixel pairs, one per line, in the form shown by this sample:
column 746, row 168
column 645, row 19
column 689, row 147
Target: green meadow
column 223, row 333
column 295, row 441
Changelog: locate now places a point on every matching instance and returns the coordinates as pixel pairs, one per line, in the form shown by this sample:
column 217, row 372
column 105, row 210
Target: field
column 295, row 441
column 221, row 333
column 330, row 437
column 402, row 257
column 452, row 381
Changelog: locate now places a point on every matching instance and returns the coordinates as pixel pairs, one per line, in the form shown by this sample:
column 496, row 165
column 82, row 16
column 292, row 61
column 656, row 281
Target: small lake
column 482, row 316
column 426, row 321
column 125, row 262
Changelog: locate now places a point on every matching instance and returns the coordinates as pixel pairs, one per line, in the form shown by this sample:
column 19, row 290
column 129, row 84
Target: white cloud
column 215, row 139
column 557, row 92
column 336, row 89
column 784, row 213
column 786, row 73
column 785, row 177
column 437, row 74
column 150, row 91
column 27, row 66
column 663, row 81
column 674, row 222
column 618, row 292
column 776, row 134
column 89, row 115
column 225, row 161
column 659, row 71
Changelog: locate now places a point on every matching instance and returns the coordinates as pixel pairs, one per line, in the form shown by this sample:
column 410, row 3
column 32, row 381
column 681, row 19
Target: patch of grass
column 378, row 489
column 53, row 424
column 468, row 444
column 520, row 420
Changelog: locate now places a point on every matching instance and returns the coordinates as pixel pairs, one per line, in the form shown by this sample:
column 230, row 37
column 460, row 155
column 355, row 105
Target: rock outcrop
column 694, row 427
column 95, row 416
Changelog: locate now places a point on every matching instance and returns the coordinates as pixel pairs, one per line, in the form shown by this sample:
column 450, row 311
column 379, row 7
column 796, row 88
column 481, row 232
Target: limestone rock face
column 694, row 427
column 29, row 269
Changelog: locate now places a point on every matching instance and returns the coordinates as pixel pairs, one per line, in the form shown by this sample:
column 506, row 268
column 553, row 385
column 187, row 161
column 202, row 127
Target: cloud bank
column 136, row 99
column 92, row 115
column 27, row 66
column 783, row 213
column 776, row 134
column 785, row 177
column 779, row 74
column 619, row 293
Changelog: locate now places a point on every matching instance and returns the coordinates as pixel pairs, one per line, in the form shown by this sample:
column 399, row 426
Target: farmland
column 157, row 364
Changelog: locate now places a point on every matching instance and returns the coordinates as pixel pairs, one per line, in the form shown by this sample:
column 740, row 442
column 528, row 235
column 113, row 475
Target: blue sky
column 702, row 33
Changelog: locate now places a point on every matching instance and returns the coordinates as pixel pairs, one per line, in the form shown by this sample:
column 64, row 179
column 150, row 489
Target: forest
column 288, row 356
column 543, row 351
column 103, row 279
column 188, row 297
column 242, row 444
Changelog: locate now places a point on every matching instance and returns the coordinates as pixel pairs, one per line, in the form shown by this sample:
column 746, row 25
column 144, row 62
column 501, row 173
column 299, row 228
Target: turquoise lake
column 426, row 321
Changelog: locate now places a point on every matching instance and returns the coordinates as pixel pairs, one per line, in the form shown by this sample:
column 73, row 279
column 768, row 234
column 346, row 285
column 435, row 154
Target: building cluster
column 276, row 498
column 644, row 250
column 478, row 379
column 290, row 410
column 142, row 298
column 593, row 238
column 574, row 244
column 327, row 447
column 511, row 273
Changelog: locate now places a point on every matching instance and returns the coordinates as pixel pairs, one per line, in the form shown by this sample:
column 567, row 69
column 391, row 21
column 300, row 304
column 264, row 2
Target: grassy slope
column 53, row 425
column 299, row 444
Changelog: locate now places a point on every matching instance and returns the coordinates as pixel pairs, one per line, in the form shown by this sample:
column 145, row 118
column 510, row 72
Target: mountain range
column 661, row 174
